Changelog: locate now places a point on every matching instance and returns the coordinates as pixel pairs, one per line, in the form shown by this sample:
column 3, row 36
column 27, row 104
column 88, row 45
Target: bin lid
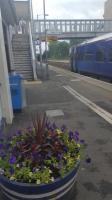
column 15, row 76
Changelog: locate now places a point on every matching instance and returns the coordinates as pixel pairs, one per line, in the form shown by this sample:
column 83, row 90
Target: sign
column 52, row 38
column 49, row 38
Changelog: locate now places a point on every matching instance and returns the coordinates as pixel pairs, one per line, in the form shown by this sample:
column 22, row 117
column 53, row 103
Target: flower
column 12, row 159
column 82, row 141
column 41, row 153
column 1, row 146
column 1, row 171
column 63, row 128
column 88, row 160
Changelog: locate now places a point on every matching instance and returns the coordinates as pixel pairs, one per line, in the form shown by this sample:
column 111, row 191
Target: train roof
column 105, row 37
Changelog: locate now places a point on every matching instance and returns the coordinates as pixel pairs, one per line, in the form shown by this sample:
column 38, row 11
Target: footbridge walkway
column 66, row 29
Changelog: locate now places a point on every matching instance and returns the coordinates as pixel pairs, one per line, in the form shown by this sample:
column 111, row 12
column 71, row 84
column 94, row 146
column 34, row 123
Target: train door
column 75, row 60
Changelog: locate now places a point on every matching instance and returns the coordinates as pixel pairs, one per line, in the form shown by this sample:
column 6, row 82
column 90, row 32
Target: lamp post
column 46, row 57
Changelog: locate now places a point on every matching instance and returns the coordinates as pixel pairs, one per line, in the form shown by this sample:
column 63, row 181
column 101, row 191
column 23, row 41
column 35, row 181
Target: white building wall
column 108, row 9
column 6, row 104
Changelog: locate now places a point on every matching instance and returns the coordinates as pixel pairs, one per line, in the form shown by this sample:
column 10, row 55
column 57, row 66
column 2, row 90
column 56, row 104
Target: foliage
column 76, row 41
column 59, row 50
column 41, row 153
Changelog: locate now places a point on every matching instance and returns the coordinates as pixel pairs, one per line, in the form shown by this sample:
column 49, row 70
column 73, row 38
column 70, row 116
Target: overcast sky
column 70, row 9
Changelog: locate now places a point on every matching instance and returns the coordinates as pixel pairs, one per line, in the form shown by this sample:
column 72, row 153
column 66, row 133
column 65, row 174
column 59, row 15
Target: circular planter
column 23, row 191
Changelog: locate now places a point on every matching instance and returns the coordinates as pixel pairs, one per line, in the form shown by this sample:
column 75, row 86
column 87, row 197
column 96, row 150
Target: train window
column 100, row 55
column 110, row 55
column 88, row 56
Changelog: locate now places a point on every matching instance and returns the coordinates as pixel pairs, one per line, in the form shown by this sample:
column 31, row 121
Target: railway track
column 64, row 64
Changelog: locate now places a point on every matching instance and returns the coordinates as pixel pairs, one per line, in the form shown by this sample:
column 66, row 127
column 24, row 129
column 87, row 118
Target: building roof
column 8, row 11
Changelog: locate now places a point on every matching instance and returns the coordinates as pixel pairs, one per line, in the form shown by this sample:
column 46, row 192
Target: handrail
column 32, row 53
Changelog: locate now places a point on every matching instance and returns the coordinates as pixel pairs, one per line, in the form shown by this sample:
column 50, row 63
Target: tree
column 76, row 41
column 59, row 50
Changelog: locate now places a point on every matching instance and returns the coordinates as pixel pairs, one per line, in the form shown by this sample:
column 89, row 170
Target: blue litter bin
column 15, row 81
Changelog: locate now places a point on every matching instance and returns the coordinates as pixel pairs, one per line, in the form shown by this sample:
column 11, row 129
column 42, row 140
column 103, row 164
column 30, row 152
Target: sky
column 69, row 9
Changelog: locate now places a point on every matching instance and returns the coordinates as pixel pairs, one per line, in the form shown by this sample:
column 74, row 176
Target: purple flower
column 59, row 156
column 36, row 155
column 1, row 146
column 19, row 132
column 63, row 128
column 88, row 160
column 7, row 146
column 82, row 141
column 54, row 126
column 65, row 149
column 51, row 128
column 71, row 135
column 76, row 137
column 12, row 160
column 77, row 133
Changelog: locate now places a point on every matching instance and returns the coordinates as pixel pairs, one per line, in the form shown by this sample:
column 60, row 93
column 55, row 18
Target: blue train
column 93, row 57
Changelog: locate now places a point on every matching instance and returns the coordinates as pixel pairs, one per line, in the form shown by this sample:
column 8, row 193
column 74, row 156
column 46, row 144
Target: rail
column 32, row 53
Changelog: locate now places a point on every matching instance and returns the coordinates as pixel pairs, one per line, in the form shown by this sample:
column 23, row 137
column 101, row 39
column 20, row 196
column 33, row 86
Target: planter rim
column 40, row 185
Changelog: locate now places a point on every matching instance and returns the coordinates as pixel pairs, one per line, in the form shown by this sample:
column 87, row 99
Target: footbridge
column 66, row 29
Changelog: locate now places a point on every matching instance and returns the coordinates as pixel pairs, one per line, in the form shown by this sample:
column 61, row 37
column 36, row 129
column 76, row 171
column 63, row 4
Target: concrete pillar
column 4, row 80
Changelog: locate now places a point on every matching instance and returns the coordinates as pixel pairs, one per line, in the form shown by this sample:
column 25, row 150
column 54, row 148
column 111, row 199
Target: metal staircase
column 22, row 56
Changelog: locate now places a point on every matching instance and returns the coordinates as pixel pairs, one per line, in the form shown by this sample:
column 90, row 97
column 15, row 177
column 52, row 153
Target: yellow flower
column 38, row 181
column 12, row 178
column 78, row 157
column 78, row 145
column 59, row 132
column 30, row 174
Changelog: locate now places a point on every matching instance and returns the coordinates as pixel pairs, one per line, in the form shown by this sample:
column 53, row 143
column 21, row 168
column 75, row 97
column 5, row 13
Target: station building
column 108, row 10
column 11, row 12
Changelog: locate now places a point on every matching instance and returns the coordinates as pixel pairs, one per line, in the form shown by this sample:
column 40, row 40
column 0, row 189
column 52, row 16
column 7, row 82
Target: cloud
column 71, row 9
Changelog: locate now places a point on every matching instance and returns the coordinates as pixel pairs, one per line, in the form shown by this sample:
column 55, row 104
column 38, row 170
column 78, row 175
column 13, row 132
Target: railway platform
column 82, row 104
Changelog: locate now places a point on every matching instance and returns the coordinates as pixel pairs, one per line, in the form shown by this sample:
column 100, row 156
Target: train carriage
column 93, row 57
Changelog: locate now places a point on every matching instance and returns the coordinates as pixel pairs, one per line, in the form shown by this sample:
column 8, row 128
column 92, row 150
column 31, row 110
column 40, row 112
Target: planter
column 21, row 191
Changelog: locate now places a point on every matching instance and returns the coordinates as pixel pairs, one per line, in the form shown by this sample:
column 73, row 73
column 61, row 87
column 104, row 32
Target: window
column 100, row 55
column 110, row 55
